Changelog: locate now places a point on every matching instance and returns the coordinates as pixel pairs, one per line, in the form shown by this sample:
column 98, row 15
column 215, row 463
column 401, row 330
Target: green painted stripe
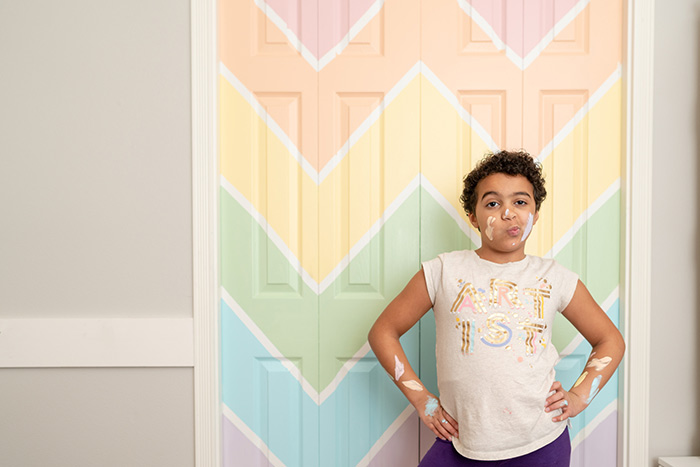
column 286, row 313
column 319, row 342
column 373, row 278
column 593, row 253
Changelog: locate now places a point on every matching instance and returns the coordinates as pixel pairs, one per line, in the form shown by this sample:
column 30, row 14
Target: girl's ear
column 474, row 221
column 537, row 216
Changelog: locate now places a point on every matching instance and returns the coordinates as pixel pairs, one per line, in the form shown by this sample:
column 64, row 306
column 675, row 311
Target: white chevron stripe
column 354, row 30
column 593, row 424
column 578, row 339
column 582, row 112
column 269, row 346
column 454, row 102
column 272, row 235
column 269, row 121
column 252, row 437
column 583, row 218
column 370, row 234
column 386, row 436
column 522, row 62
column 369, row 121
column 451, row 211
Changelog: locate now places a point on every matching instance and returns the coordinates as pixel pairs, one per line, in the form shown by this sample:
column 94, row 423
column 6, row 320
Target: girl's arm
column 400, row 316
column 608, row 348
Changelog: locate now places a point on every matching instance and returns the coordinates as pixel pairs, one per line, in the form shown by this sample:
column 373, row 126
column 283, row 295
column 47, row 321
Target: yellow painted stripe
column 578, row 171
column 352, row 198
column 583, row 166
column 333, row 217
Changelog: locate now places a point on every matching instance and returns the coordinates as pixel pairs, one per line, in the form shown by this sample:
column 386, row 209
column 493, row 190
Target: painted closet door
column 544, row 76
column 345, row 130
column 319, row 227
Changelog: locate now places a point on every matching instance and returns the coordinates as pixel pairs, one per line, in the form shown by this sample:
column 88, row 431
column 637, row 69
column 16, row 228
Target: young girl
column 494, row 308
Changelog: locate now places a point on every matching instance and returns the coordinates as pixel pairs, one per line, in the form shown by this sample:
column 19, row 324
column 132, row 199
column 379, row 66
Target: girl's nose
column 507, row 214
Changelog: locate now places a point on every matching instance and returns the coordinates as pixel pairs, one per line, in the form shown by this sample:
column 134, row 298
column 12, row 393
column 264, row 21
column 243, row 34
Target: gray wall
column 95, row 216
column 675, row 343
column 95, row 205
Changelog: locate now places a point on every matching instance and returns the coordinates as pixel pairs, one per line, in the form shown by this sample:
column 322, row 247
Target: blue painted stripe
column 271, row 402
column 571, row 367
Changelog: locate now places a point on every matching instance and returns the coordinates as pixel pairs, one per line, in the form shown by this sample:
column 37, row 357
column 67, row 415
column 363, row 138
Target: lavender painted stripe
column 238, row 450
column 600, row 447
column 402, row 448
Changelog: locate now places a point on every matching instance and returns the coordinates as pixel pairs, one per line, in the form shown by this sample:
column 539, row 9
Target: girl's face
column 505, row 214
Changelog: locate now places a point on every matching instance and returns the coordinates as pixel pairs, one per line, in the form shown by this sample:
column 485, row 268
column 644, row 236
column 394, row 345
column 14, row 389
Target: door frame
column 638, row 123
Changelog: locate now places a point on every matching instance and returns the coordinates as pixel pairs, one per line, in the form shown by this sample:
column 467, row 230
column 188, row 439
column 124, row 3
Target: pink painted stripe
column 519, row 26
column 238, row 450
column 402, row 448
column 301, row 18
column 335, row 18
column 320, row 31
column 600, row 447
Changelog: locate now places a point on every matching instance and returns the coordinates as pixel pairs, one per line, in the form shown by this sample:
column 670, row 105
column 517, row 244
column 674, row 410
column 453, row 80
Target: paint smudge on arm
column 414, row 385
column 594, row 388
column 431, row 406
column 599, row 363
column 398, row 368
column 581, row 378
column 528, row 227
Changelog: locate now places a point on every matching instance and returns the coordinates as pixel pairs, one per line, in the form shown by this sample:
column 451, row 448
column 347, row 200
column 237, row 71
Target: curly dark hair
column 509, row 163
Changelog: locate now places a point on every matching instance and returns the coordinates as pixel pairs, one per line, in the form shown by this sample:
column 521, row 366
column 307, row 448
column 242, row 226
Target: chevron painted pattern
column 345, row 131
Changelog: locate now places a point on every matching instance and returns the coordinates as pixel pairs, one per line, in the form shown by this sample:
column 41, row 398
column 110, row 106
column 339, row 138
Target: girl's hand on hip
column 437, row 419
column 569, row 402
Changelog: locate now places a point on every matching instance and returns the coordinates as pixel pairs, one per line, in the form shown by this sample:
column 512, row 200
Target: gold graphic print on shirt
column 508, row 315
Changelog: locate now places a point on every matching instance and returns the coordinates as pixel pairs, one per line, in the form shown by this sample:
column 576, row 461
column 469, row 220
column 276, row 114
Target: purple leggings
column 555, row 454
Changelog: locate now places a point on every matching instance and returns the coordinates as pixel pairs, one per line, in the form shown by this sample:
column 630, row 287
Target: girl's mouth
column 513, row 231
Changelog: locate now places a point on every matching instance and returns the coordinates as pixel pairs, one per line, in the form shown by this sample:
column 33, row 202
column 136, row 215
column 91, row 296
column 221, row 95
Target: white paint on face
column 489, row 229
column 599, row 363
column 398, row 368
column 506, row 213
column 414, row 385
column 528, row 227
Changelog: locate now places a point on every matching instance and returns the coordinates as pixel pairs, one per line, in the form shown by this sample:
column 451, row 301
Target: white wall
column 95, row 221
column 675, row 295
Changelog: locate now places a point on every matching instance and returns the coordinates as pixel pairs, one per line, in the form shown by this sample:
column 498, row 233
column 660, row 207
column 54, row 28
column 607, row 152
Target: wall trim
column 637, row 283
column 96, row 342
column 205, row 228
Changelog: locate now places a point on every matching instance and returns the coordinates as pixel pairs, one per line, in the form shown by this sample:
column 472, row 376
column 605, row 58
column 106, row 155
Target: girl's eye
column 521, row 202
column 492, row 204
